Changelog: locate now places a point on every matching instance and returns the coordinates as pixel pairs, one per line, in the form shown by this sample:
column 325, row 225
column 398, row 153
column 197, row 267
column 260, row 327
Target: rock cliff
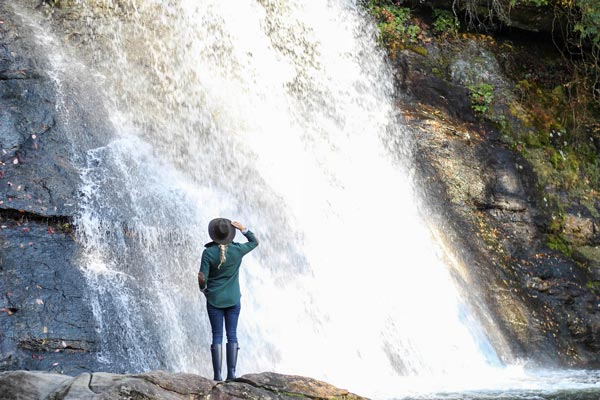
column 486, row 197
column 46, row 322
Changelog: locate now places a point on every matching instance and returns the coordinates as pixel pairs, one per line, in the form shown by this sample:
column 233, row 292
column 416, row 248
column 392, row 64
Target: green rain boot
column 216, row 352
column 232, row 353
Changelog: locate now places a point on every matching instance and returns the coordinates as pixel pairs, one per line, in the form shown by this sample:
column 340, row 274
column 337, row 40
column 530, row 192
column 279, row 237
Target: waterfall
column 279, row 114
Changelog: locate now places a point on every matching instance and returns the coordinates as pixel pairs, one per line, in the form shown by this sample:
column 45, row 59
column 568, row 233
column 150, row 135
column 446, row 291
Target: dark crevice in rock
column 267, row 387
column 9, row 75
column 163, row 387
column 22, row 215
column 514, row 205
column 277, row 390
column 90, row 384
column 56, row 344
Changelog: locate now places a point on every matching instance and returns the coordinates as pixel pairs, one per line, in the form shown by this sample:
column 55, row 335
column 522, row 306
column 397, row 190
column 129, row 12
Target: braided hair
column 223, row 251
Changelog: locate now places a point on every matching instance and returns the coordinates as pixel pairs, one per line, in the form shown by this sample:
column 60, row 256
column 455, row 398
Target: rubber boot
column 232, row 353
column 216, row 352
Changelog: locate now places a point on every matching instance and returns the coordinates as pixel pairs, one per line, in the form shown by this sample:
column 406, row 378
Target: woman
column 219, row 281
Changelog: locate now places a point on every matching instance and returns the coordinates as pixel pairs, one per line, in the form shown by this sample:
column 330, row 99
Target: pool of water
column 512, row 383
column 586, row 394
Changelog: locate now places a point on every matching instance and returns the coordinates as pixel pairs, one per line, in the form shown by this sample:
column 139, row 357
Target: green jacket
column 223, row 285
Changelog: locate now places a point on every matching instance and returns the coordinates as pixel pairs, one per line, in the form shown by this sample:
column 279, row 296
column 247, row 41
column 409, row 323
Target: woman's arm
column 203, row 273
column 252, row 241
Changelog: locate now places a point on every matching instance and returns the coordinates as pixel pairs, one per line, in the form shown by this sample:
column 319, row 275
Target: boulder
column 163, row 385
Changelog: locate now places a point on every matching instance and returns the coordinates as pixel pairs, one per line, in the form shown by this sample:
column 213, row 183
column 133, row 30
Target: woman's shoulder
column 210, row 249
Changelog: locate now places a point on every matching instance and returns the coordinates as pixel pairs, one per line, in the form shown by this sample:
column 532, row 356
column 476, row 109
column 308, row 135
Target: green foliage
column 536, row 3
column 481, row 96
column 397, row 30
column 581, row 33
column 559, row 243
column 590, row 171
column 588, row 27
column 445, row 22
column 594, row 286
column 584, row 20
column 66, row 227
column 532, row 140
column 413, row 31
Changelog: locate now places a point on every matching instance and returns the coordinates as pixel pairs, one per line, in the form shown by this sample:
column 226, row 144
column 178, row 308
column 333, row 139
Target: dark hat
column 221, row 231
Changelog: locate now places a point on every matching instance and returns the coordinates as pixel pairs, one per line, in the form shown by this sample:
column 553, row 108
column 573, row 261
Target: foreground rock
column 162, row 385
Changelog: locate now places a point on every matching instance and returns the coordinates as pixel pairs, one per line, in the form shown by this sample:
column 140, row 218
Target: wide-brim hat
column 221, row 231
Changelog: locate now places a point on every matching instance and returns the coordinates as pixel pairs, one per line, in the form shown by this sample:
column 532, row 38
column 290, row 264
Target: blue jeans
column 230, row 315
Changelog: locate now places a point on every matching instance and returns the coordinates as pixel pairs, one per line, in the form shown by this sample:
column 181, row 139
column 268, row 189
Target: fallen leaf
column 50, row 230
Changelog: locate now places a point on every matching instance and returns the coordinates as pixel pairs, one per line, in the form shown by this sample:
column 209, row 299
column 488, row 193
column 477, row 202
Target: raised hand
column 238, row 225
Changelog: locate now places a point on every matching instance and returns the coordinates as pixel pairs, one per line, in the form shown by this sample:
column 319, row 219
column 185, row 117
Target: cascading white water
column 279, row 114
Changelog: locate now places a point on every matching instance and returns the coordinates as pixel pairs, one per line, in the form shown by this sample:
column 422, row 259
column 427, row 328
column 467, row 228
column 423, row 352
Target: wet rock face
column 46, row 321
column 484, row 195
column 163, row 385
column 36, row 175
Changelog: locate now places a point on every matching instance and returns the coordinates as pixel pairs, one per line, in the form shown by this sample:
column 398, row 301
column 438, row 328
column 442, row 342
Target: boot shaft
column 216, row 353
column 232, row 353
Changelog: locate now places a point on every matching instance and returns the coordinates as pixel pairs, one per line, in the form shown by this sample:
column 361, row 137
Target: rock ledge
column 35, row 385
